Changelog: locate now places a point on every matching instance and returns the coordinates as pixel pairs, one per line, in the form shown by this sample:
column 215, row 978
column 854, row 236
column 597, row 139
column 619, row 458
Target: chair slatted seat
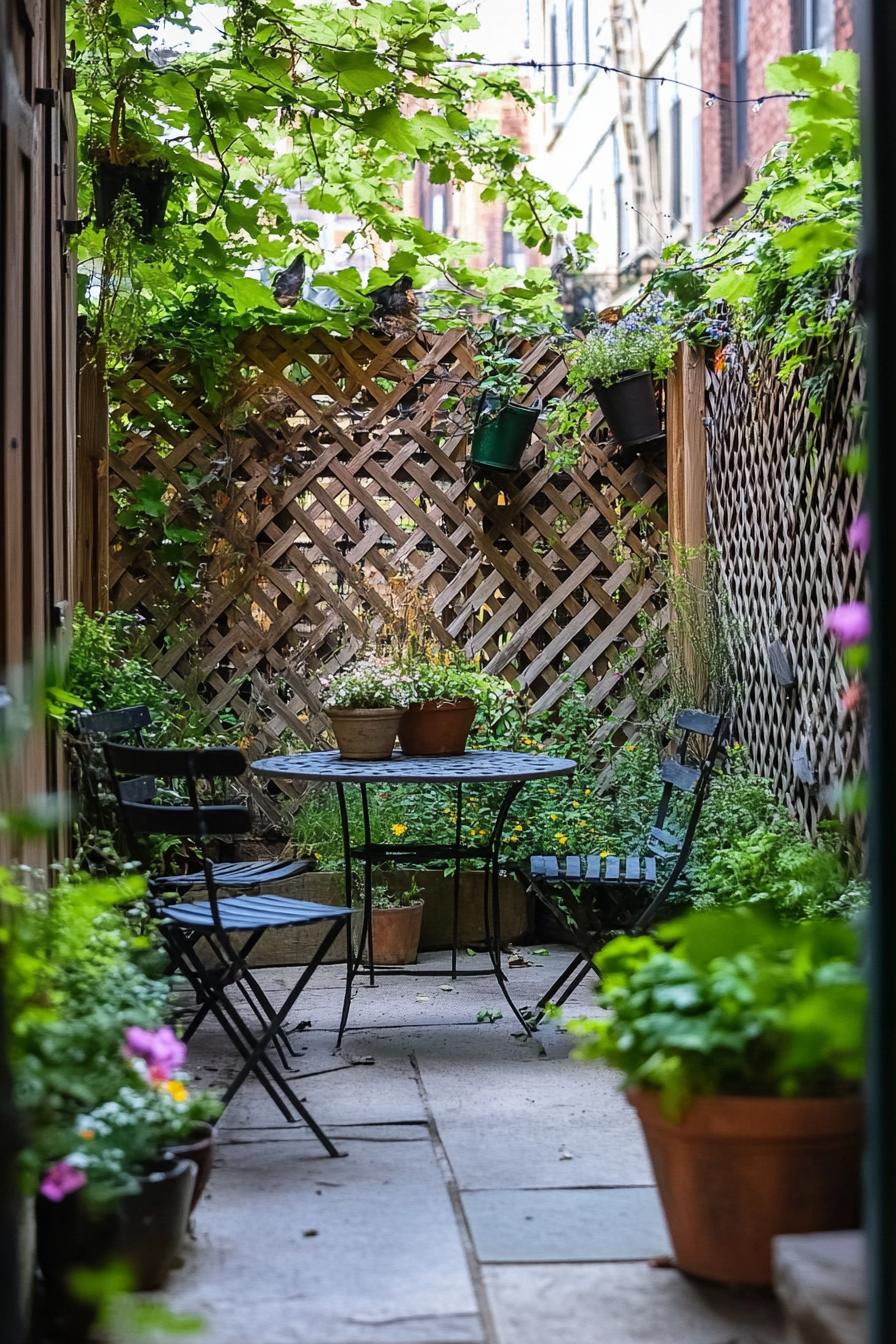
column 186, row 924
column 598, row 896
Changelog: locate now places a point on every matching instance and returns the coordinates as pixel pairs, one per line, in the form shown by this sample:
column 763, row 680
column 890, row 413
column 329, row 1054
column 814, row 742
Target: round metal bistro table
column 513, row 769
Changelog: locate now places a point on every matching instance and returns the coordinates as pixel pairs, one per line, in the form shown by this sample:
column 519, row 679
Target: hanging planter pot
column 501, row 434
column 630, row 409
column 150, row 184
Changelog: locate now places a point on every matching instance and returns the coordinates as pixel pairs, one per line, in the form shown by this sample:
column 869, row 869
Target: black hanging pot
column 630, row 409
column 501, row 434
column 149, row 183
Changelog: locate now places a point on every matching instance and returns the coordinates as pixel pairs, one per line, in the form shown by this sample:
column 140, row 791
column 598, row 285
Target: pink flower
column 849, row 623
column 61, row 1180
column 161, row 1050
column 853, row 695
column 859, row 533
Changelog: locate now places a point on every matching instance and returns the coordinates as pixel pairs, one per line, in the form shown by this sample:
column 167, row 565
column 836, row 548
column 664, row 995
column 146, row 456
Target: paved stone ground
column 493, row 1190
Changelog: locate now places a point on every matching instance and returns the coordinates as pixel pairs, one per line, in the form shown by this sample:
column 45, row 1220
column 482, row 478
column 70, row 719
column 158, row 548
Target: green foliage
column 347, row 101
column 732, row 1003
column 628, row 346
column 107, row 670
column 77, row 976
column 385, row 898
column 780, row 267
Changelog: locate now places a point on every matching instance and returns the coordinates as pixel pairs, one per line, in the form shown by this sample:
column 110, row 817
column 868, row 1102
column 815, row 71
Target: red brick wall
column 771, row 34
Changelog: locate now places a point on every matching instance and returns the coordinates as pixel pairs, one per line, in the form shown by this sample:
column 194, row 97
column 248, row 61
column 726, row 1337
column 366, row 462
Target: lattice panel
column 337, row 472
column 780, row 507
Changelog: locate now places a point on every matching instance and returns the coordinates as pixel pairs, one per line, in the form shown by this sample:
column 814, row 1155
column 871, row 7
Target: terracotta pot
column 144, row 1231
column 436, row 727
column 396, row 935
column 738, row 1171
column 365, row 734
column 198, row 1148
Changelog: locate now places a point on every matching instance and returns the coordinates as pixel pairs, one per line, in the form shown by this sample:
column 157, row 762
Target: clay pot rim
column 744, row 1118
column 203, row 1131
column 395, row 909
column 431, row 706
column 342, row 711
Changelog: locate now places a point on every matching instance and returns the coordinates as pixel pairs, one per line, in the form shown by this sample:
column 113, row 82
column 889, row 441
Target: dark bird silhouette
column 288, row 284
column 394, row 307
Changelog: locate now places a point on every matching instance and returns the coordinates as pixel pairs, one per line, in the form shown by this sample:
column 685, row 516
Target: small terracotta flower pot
column 436, row 727
column 198, row 1148
column 365, row 734
column 396, row 934
column 737, row 1171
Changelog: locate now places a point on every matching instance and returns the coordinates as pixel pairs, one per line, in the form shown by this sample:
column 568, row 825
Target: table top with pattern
column 472, row 766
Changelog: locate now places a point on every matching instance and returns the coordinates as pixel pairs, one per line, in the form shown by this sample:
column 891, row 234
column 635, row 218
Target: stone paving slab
column 293, row 1247
column 624, row 1304
column 566, row 1226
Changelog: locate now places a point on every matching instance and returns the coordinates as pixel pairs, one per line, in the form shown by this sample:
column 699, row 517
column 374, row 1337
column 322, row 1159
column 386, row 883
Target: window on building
column 570, row 42
column 740, row 26
column 675, row 165
column 652, row 128
column 815, row 25
column 619, row 194
column 553, row 49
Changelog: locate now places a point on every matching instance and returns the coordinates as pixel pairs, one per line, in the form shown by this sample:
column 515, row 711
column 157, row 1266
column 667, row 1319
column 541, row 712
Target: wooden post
column 686, row 482
column 91, row 549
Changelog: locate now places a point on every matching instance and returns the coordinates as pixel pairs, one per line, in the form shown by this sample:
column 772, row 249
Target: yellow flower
column 736, row 746
column 513, row 839
column 583, row 823
column 555, row 816
column 176, row 1090
column 587, row 793
column 399, row 828
column 605, row 853
column 575, row 804
column 518, row 827
column 560, row 837
column 552, row 790
column 87, row 1134
column 629, row 746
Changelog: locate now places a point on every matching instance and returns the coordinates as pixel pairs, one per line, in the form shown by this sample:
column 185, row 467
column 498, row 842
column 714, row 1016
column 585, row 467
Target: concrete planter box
column 295, row 947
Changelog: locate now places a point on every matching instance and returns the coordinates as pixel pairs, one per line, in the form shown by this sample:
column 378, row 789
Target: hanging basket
column 630, row 409
column 502, row 433
column 149, row 183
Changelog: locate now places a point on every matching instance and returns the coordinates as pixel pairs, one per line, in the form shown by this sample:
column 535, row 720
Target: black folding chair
column 126, row 726
column 186, row 925
column 597, row 898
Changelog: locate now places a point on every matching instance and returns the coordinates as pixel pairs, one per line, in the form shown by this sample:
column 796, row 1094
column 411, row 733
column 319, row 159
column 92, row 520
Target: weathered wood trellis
column 780, row 505
column 335, row 475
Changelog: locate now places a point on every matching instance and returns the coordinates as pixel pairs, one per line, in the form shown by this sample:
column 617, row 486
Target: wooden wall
column 37, row 364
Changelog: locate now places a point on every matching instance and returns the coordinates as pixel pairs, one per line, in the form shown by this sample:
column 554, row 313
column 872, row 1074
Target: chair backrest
column 680, row 774
column 85, row 738
column 135, row 772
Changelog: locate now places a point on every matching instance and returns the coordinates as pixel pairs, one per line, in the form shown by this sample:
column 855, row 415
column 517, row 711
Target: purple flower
column 61, row 1180
column 849, row 623
column 859, row 533
column 161, row 1049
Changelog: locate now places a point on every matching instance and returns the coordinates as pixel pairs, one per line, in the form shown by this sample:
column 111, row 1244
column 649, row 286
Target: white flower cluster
column 372, row 683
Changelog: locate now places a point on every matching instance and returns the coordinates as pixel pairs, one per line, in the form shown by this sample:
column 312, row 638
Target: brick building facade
column 740, row 39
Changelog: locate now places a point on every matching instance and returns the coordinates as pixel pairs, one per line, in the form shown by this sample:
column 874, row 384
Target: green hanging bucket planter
column 502, row 433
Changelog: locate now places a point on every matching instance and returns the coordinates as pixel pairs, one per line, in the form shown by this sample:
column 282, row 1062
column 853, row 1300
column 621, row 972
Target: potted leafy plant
column 129, row 162
column 741, row 1041
column 397, row 920
column 503, row 422
column 619, row 361
column 444, row 691
column 364, row 705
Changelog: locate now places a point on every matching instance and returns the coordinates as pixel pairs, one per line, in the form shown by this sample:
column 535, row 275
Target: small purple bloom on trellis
column 859, row 533
column 849, row 623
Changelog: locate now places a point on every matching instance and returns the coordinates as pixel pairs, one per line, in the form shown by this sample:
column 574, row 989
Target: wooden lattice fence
column 333, row 475
column 780, row 506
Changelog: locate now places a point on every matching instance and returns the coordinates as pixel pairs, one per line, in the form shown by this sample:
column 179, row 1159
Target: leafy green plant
column 732, row 1003
column 371, row 683
column 450, row 677
column 386, row 898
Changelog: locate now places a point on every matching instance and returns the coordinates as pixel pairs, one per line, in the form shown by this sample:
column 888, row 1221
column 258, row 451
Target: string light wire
column 711, row 96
